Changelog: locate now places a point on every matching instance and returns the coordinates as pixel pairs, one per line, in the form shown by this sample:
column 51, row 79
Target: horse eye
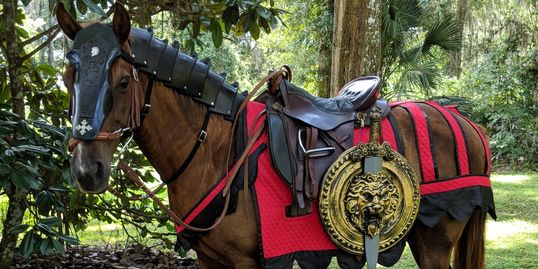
column 124, row 82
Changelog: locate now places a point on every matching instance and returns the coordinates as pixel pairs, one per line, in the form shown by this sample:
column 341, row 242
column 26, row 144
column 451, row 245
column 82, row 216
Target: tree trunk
column 17, row 197
column 15, row 213
column 454, row 57
column 324, row 64
column 356, row 41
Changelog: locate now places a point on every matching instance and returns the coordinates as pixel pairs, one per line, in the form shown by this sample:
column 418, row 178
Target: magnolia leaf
column 57, row 245
column 46, row 229
column 51, row 221
column 29, row 244
column 263, row 12
column 216, row 33
column 69, row 240
column 255, row 31
column 47, row 69
column 47, row 246
column 19, row 228
column 251, row 18
column 24, row 181
column 93, row 7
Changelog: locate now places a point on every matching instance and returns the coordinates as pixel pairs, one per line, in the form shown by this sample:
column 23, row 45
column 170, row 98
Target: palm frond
column 420, row 75
column 444, row 33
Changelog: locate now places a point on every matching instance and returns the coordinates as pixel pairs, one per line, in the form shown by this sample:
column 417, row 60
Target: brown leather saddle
column 307, row 133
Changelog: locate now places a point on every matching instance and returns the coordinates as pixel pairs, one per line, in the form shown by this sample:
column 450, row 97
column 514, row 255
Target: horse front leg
column 432, row 247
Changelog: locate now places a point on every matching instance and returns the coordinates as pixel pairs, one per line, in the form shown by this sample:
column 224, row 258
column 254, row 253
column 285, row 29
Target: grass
column 512, row 240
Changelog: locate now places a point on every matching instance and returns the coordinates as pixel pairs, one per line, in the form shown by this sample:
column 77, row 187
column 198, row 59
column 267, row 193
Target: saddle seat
column 326, row 114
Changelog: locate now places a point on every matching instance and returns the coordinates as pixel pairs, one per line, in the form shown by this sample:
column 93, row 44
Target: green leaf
column 251, row 18
column 31, row 148
column 4, row 169
column 58, row 246
column 29, row 244
column 230, row 16
column 443, row 33
column 216, row 33
column 47, row 246
column 47, row 69
column 19, row 228
column 81, row 6
column 263, row 12
column 47, row 230
column 255, row 31
column 22, row 32
column 69, row 240
column 51, row 221
column 93, row 7
column 24, row 181
column 58, row 188
column 264, row 24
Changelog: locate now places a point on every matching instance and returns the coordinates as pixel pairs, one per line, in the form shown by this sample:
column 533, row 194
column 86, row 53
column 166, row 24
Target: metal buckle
column 202, row 136
column 145, row 109
column 313, row 153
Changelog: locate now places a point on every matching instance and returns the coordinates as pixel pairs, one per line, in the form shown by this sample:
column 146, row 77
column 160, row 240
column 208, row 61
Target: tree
column 356, row 41
column 454, row 57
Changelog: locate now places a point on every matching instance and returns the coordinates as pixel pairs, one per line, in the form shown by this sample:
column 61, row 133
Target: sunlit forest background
column 485, row 60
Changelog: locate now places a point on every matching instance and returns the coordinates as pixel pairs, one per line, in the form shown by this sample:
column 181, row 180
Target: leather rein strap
column 130, row 173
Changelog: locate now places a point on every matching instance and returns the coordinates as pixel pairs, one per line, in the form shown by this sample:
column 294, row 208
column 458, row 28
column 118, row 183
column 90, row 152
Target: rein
column 135, row 119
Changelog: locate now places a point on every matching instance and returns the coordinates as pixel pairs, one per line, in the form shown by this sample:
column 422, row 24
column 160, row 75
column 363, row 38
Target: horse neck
column 167, row 136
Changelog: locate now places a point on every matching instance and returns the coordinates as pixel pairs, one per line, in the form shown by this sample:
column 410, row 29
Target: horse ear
column 121, row 23
column 68, row 25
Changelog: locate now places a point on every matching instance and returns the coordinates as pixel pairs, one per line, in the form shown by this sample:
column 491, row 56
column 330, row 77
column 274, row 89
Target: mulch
column 132, row 257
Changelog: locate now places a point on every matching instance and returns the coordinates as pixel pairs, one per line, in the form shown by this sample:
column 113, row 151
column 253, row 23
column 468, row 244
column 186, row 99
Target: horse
column 169, row 132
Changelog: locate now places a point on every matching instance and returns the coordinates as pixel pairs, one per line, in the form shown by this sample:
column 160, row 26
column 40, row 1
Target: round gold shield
column 354, row 204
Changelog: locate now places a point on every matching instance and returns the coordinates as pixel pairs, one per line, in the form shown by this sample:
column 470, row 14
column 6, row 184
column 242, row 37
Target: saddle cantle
column 307, row 133
column 326, row 114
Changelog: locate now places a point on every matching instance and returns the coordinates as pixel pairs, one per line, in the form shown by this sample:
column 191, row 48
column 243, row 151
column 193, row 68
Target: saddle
column 307, row 133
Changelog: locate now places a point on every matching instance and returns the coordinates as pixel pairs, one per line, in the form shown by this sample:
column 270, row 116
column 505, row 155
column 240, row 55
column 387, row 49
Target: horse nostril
column 100, row 171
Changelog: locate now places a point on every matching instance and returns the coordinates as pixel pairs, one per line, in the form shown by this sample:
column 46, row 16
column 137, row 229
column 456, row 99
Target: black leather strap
column 201, row 137
column 147, row 101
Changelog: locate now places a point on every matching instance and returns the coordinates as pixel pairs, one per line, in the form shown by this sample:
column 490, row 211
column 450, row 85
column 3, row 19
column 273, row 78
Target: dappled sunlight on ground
column 103, row 227
column 507, row 230
column 510, row 178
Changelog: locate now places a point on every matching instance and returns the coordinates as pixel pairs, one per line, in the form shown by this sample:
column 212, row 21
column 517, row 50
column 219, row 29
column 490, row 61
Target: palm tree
column 412, row 43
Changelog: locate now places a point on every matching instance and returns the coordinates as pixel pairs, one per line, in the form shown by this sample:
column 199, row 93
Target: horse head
column 104, row 89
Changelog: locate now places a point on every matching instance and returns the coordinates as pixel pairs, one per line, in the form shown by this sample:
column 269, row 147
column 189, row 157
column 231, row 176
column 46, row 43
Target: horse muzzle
column 91, row 175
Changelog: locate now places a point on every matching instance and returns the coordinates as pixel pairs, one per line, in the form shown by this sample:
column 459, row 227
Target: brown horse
column 168, row 133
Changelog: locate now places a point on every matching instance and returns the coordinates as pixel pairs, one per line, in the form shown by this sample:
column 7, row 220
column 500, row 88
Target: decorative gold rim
column 344, row 172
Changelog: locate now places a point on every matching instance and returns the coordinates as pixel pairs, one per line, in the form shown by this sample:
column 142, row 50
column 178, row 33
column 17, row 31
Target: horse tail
column 470, row 250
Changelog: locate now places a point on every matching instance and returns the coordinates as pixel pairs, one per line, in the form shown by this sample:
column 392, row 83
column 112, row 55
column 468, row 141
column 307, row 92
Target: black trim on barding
column 396, row 130
column 456, row 153
column 416, row 142
column 466, row 139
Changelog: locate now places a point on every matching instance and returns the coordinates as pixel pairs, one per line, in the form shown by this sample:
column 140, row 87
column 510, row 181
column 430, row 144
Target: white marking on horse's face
column 95, row 51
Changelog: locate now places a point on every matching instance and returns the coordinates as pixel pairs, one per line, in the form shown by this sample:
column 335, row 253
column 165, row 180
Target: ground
column 133, row 257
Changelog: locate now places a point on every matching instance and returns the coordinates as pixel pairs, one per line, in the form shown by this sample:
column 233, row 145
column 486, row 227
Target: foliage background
column 498, row 88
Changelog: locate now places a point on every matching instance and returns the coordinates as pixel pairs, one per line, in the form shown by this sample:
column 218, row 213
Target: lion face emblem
column 371, row 202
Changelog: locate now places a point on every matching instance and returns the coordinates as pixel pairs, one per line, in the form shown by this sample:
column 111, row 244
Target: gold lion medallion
column 354, row 204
